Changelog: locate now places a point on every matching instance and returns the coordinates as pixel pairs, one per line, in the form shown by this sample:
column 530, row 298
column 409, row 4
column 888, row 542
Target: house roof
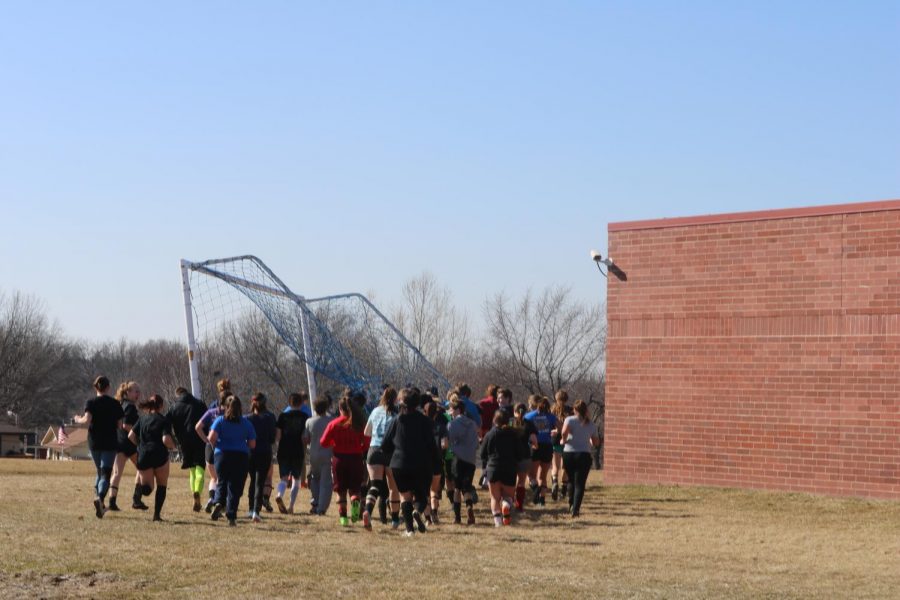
column 6, row 429
column 76, row 436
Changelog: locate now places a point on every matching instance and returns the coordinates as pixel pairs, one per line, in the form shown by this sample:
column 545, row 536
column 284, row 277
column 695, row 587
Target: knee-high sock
column 282, row 486
column 159, row 500
column 295, row 489
column 372, row 496
column 407, row 509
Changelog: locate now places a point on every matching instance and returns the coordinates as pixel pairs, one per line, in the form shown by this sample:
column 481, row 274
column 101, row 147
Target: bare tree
column 428, row 318
column 545, row 342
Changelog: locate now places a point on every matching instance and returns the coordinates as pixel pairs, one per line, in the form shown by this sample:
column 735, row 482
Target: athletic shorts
column 128, row 449
column 411, row 480
column 524, row 465
column 260, row 461
column 291, row 465
column 543, row 453
column 557, row 448
column 463, row 474
column 377, row 457
column 504, row 476
column 209, row 454
column 151, row 460
column 437, row 467
column 348, row 473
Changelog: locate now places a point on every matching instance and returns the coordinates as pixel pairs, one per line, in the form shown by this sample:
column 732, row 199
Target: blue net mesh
column 249, row 327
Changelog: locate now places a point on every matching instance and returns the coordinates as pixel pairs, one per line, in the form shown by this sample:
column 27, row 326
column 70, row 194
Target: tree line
column 535, row 344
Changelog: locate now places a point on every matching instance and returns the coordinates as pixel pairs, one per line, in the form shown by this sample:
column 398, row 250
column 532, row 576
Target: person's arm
column 168, row 442
column 564, row 436
column 251, row 433
column 484, row 448
column 132, row 437
column 211, row 439
column 84, row 419
column 251, row 444
column 326, row 440
column 200, row 433
column 368, row 429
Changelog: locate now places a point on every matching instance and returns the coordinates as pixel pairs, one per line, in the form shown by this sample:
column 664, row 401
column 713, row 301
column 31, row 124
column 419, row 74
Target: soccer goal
column 244, row 323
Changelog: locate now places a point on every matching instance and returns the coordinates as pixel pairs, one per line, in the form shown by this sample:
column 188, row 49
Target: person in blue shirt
column 545, row 426
column 232, row 436
column 381, row 480
column 472, row 411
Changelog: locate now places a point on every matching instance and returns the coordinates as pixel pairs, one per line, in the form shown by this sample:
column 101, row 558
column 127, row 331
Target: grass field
column 632, row 542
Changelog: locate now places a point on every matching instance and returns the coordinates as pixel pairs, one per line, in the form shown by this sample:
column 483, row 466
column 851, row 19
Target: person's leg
column 118, row 468
column 533, row 480
column 251, row 489
column 236, row 485
column 295, row 488
column 161, row 475
column 406, row 507
column 213, row 471
column 555, row 468
column 569, row 463
column 579, row 473
column 223, row 468
column 98, row 503
column 259, row 485
column 496, row 502
column 394, row 495
column 376, row 478
column 267, row 487
column 326, row 486
column 543, row 472
column 435, row 497
column 506, row 502
column 197, row 485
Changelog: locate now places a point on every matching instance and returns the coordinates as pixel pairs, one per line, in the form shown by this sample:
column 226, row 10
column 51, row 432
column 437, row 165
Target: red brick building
column 757, row 350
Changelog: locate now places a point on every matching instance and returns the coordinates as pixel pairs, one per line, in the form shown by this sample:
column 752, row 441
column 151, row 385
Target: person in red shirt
column 345, row 435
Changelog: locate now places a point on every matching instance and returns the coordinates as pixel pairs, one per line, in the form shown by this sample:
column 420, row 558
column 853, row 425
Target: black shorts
column 543, row 453
column 127, row 448
column 503, row 476
column 193, row 455
column 152, row 460
column 437, row 466
column 411, row 480
column 260, row 461
column 209, row 454
column 377, row 457
column 463, row 474
column 291, row 465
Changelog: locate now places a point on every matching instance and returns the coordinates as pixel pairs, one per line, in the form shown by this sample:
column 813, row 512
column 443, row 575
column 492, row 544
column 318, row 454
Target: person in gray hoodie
column 463, row 434
column 319, row 478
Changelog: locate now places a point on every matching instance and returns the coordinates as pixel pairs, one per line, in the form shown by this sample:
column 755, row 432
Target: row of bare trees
column 535, row 344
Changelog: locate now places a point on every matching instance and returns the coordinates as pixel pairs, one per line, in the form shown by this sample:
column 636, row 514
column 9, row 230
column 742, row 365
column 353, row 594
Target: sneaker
column 232, row 522
column 113, row 506
column 554, row 492
column 217, row 512
column 457, row 520
column 197, row 506
column 470, row 511
column 157, row 519
column 313, row 511
column 474, row 496
column 355, row 512
column 267, row 504
column 367, row 520
column 395, row 523
column 99, row 510
column 506, row 512
column 281, row 507
column 409, row 534
column 536, row 497
column 542, row 501
column 434, row 518
column 255, row 518
column 419, row 522
column 209, row 505
column 140, row 506
column 344, row 521
column 564, row 491
column 498, row 521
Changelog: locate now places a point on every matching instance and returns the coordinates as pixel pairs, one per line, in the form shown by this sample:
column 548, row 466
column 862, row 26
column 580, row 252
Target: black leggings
column 259, row 472
column 577, row 465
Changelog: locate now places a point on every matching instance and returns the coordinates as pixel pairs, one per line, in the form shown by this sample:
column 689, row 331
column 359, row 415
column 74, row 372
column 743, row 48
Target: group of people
column 397, row 459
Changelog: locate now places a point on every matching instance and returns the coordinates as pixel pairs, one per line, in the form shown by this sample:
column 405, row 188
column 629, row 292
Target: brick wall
column 757, row 350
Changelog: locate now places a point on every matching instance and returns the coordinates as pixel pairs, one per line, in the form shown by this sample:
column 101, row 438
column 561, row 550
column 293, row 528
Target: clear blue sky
column 352, row 145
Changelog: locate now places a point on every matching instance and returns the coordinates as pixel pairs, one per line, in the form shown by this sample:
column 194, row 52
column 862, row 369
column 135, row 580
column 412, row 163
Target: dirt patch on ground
column 30, row 584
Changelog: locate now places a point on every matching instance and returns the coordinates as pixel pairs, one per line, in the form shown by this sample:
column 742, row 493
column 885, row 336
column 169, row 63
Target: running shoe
column 395, row 523
column 498, row 520
column 542, row 501
column 367, row 520
column 554, row 493
column 474, row 496
column 232, row 523
column 267, row 504
column 209, row 505
column 470, row 511
column 434, row 518
column 197, row 506
column 98, row 508
column 281, row 507
column 344, row 521
column 113, row 507
column 506, row 512
column 409, row 534
column 255, row 518
column 157, row 519
column 419, row 522
column 564, row 490
column 355, row 512
column 139, row 505
column 217, row 512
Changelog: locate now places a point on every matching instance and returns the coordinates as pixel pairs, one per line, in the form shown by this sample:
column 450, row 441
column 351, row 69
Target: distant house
column 12, row 440
column 74, row 443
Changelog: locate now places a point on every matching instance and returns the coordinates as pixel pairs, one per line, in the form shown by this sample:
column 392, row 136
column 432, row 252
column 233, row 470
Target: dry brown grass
column 632, row 542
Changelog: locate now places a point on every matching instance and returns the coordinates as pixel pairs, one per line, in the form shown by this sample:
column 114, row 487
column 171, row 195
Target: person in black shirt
column 103, row 416
column 291, row 427
column 501, row 450
column 528, row 440
column 184, row 415
column 441, row 442
column 152, row 435
column 127, row 394
column 264, row 424
column 410, row 443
